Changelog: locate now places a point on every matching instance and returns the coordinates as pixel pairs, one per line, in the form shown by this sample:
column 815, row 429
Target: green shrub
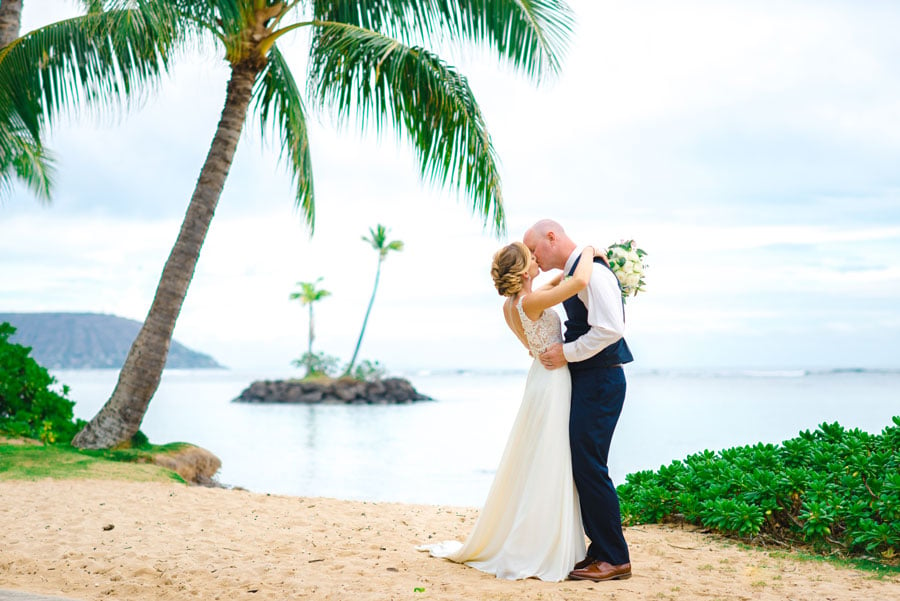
column 28, row 406
column 835, row 490
column 368, row 371
column 318, row 364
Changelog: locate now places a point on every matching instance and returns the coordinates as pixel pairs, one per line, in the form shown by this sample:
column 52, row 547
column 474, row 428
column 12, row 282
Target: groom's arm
column 603, row 300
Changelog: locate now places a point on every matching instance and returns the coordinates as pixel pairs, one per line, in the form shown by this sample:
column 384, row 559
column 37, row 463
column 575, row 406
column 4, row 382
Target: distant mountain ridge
column 89, row 341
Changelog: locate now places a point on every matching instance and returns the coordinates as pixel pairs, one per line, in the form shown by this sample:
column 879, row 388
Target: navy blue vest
column 577, row 325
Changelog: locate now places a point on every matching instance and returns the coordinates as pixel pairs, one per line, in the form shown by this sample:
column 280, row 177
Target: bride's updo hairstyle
column 509, row 266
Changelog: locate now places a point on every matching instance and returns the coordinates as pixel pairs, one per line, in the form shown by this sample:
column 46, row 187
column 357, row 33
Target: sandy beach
column 93, row 540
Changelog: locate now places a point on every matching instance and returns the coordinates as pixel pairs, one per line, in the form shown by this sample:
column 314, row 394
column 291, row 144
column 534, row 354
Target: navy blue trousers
column 597, row 398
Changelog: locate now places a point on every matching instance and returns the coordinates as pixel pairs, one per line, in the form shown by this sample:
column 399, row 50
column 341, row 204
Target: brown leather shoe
column 600, row 571
column 584, row 563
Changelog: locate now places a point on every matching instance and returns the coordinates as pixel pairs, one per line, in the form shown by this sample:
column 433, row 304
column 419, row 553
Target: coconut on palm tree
column 377, row 240
column 309, row 295
column 368, row 58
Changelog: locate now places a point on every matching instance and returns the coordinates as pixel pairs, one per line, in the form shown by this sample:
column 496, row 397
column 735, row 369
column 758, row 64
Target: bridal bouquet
column 627, row 262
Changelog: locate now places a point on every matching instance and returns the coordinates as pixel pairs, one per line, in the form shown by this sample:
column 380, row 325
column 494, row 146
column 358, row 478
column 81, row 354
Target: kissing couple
column 552, row 486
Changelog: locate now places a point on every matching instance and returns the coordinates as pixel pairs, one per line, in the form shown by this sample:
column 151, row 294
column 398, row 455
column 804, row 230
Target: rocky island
column 334, row 391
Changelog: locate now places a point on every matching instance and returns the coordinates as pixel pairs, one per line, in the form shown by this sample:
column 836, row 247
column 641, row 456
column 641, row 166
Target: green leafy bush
column 318, row 364
column 835, row 490
column 28, row 406
column 368, row 371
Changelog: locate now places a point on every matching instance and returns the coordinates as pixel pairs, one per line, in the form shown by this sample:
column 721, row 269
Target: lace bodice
column 541, row 333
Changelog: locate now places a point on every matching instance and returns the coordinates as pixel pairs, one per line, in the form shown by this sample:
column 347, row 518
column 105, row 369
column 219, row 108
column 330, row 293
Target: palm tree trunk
column 365, row 319
column 10, row 20
column 312, row 331
column 120, row 418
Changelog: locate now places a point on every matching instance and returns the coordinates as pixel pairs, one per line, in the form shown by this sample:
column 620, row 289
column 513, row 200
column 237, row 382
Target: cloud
column 749, row 147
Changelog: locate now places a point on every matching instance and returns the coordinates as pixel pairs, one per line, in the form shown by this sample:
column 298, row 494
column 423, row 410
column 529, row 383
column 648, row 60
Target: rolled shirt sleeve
column 603, row 300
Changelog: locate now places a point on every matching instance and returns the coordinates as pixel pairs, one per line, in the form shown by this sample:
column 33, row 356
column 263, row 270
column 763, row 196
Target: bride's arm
column 553, row 282
column 601, row 254
column 549, row 295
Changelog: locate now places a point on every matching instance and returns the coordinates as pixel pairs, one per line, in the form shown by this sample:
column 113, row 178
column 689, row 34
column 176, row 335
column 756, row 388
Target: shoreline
column 153, row 541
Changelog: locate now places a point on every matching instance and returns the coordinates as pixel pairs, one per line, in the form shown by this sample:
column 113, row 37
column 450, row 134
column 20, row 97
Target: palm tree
column 10, row 20
column 309, row 295
column 366, row 56
column 378, row 241
column 101, row 59
column 20, row 156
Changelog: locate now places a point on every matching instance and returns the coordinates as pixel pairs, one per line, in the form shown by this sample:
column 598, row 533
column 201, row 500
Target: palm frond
column 414, row 90
column 35, row 168
column 99, row 60
column 530, row 34
column 23, row 159
column 277, row 100
column 94, row 6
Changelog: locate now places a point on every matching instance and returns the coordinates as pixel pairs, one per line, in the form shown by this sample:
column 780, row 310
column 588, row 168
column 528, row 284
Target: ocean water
column 445, row 451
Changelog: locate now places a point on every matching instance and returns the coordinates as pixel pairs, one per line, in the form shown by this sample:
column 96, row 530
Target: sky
column 752, row 148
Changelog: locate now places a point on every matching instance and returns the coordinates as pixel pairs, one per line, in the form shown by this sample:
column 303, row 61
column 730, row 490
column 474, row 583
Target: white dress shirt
column 603, row 300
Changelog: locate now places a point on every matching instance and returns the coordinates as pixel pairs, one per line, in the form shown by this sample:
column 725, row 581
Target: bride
column 530, row 525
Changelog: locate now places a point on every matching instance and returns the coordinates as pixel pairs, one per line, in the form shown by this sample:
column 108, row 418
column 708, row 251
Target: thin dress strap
column 540, row 333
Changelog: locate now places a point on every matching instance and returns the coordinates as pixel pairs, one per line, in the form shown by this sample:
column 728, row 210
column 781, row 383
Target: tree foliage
column 106, row 59
column 28, row 404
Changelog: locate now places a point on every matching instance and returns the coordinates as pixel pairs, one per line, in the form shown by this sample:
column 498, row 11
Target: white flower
column 627, row 262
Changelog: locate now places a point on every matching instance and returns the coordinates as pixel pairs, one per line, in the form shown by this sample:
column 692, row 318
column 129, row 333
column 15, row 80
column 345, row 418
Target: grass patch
column 36, row 462
column 878, row 569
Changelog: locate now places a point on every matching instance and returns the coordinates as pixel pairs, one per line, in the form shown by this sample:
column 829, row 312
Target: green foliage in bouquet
column 834, row 490
column 627, row 261
column 28, row 406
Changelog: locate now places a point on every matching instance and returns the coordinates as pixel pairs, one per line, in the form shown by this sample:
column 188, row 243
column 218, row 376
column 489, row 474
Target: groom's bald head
column 548, row 242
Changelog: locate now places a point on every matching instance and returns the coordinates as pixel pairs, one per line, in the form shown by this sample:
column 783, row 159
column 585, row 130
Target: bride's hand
column 598, row 252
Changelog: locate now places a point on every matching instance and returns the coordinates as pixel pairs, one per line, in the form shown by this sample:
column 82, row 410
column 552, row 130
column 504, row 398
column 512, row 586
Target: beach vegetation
column 318, row 365
column 23, row 461
column 31, row 402
column 366, row 59
column 834, row 491
column 368, row 371
column 324, row 367
column 378, row 241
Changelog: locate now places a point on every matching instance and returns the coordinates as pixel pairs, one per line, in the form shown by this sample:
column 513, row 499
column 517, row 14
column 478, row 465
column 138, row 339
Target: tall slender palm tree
column 366, row 57
column 104, row 59
column 309, row 294
column 378, row 240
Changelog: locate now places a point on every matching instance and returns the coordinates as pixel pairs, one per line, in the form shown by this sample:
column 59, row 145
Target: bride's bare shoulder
column 532, row 310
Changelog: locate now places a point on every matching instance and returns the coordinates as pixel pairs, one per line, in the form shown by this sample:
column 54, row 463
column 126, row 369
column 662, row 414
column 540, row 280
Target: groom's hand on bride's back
column 553, row 357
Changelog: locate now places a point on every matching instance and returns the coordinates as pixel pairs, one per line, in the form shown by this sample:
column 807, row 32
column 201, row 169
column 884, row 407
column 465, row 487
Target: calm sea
column 445, row 451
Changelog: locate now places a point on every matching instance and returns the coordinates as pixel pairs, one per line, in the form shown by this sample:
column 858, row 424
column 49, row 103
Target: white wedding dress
column 530, row 525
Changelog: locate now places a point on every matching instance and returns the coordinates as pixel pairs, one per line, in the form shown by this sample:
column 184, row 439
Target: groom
column 595, row 351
